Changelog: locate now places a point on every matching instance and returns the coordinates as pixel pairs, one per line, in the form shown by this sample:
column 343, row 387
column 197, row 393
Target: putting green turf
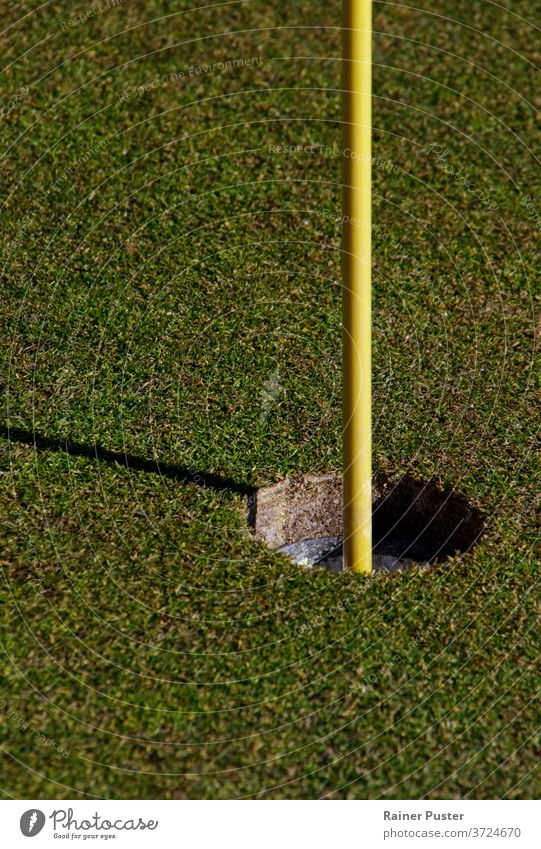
column 171, row 289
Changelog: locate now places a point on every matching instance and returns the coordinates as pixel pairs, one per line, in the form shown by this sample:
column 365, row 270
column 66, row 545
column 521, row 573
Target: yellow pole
column 356, row 283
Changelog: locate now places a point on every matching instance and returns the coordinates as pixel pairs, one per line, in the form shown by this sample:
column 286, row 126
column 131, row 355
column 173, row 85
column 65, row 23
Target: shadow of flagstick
column 173, row 471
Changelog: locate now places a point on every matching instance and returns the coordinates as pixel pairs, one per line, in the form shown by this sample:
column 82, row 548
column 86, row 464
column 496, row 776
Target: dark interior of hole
column 417, row 520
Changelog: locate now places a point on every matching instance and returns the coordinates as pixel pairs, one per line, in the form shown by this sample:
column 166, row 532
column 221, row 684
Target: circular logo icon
column 32, row 822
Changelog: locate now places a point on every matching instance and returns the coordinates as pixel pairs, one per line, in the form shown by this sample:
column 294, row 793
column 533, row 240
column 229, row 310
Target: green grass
column 162, row 266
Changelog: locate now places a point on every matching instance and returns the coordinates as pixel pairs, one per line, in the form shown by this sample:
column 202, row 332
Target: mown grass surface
column 165, row 273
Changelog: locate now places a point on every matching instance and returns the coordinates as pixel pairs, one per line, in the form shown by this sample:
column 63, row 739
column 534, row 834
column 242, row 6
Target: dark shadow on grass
column 184, row 474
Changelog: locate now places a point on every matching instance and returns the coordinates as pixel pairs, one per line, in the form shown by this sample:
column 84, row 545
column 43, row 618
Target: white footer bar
column 272, row 824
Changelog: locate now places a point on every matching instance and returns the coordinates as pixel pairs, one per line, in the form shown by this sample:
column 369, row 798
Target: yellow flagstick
column 356, row 283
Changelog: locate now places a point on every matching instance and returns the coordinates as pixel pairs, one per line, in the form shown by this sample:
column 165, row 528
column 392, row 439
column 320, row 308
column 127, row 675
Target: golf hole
column 414, row 522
